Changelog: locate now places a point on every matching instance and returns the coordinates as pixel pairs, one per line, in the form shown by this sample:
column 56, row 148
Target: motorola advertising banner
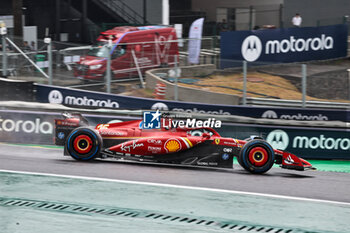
column 33, row 127
column 27, row 127
column 284, row 45
column 311, row 143
column 308, row 143
column 88, row 99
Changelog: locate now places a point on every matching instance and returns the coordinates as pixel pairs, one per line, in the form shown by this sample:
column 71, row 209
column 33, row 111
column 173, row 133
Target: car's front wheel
column 83, row 144
column 256, row 156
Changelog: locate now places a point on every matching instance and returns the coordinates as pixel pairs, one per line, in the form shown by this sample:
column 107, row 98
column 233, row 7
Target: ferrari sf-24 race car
column 202, row 147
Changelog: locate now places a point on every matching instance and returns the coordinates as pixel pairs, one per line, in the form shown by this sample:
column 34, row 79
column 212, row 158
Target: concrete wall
column 190, row 94
column 329, row 12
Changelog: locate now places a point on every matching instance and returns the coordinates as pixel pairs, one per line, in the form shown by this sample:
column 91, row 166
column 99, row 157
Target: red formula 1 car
column 184, row 146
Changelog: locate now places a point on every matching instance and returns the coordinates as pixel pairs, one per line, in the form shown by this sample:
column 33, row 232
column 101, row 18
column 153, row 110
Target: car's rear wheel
column 83, row 144
column 256, row 156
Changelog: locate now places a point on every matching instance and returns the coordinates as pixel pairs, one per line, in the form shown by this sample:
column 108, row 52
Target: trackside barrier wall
column 283, row 45
column 88, row 99
column 16, row 90
column 34, row 124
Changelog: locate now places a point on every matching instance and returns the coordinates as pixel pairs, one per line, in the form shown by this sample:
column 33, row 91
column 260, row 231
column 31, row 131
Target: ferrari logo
column 217, row 141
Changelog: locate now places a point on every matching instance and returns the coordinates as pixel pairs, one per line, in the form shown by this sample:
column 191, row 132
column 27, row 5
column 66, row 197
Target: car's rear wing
column 64, row 126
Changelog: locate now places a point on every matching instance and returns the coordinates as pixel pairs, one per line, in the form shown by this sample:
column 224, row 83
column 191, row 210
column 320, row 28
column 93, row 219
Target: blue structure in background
column 283, row 45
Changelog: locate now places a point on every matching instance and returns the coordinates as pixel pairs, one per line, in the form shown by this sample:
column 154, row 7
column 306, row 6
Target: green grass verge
column 35, row 145
column 331, row 165
column 325, row 165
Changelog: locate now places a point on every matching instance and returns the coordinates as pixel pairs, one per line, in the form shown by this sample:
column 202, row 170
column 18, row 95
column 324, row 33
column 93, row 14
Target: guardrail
column 296, row 103
column 47, row 107
column 16, row 90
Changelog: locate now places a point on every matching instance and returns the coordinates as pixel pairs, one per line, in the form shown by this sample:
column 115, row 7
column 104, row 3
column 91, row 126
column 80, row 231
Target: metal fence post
column 348, row 83
column 176, row 94
column 49, row 52
column 244, row 82
column 303, row 84
column 4, row 56
column 108, row 68
column 138, row 68
column 213, row 50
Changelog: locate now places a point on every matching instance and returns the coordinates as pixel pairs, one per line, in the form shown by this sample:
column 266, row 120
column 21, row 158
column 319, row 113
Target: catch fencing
column 81, row 66
column 68, row 70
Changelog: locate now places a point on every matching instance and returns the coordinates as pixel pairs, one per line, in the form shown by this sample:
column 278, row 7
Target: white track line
column 181, row 187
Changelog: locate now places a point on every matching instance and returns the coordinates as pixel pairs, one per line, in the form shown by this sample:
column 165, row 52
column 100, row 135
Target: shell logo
column 172, row 145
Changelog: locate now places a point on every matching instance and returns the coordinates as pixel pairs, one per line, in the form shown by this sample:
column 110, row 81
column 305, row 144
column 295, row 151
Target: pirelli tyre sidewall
column 83, row 144
column 256, row 156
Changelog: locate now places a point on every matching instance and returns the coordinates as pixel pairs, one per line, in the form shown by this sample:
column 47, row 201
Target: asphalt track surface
column 330, row 186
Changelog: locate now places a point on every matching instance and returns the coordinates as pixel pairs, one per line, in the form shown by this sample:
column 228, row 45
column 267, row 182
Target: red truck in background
column 149, row 46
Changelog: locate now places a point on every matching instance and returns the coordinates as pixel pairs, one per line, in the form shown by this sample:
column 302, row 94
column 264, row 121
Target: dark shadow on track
column 237, row 169
column 292, row 175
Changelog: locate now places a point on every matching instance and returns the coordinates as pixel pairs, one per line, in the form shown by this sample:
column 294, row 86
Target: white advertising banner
column 30, row 35
column 194, row 45
column 178, row 29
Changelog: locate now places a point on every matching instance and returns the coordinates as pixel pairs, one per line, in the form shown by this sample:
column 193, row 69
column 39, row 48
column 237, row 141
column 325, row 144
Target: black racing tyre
column 83, row 144
column 256, row 156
